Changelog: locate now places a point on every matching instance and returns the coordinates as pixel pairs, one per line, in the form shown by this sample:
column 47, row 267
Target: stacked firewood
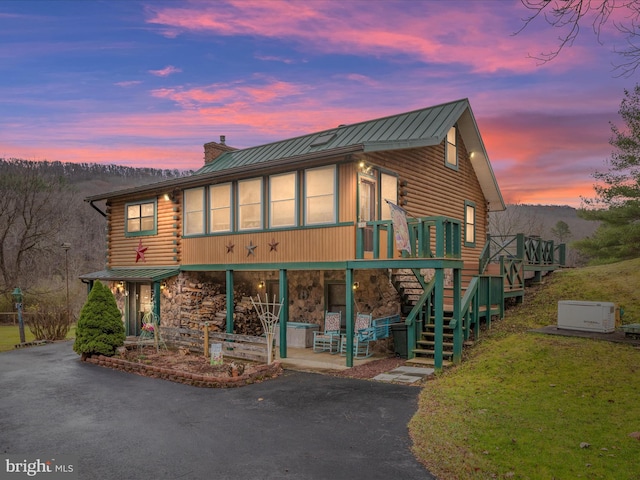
column 203, row 302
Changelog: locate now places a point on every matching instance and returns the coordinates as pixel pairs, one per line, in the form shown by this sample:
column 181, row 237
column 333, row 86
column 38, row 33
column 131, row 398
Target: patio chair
column 361, row 338
column 329, row 340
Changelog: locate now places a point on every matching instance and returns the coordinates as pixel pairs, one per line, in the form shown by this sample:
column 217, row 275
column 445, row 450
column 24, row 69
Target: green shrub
column 100, row 329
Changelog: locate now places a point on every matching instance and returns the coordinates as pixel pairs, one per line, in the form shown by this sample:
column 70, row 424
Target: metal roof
column 419, row 128
column 147, row 274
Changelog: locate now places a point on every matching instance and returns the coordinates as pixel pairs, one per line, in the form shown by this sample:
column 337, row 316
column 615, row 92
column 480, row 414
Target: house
column 307, row 220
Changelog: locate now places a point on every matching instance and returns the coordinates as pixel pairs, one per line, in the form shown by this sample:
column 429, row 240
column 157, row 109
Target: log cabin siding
column 435, row 189
column 163, row 248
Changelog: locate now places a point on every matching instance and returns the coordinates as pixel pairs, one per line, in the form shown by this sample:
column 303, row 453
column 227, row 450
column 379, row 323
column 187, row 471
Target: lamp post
column 17, row 297
column 66, row 247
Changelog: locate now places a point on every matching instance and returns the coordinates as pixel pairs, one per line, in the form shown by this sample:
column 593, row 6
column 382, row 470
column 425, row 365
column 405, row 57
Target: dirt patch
column 371, row 369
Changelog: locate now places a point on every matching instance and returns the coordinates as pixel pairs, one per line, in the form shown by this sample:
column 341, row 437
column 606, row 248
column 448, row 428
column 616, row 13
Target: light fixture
column 356, row 285
column 163, row 285
column 261, row 285
column 167, row 197
column 120, row 287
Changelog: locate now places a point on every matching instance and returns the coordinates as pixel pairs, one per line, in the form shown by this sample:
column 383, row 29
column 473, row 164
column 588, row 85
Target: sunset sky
column 147, row 83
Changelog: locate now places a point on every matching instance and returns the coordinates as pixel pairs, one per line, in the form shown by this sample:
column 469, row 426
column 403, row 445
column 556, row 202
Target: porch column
column 229, row 301
column 457, row 330
column 284, row 312
column 349, row 315
column 439, row 318
column 156, row 300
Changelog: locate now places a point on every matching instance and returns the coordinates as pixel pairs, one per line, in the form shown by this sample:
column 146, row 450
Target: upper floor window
column 220, row 208
column 282, row 204
column 451, row 148
column 250, row 204
column 141, row 218
column 469, row 224
column 320, row 195
column 194, row 211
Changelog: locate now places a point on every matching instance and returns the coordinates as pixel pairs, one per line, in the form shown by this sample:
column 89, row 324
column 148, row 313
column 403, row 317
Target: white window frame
column 329, row 196
column 281, row 198
column 194, row 219
column 255, row 184
column 220, row 208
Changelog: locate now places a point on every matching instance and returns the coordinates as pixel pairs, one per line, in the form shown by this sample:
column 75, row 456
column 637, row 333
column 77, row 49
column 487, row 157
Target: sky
column 147, row 83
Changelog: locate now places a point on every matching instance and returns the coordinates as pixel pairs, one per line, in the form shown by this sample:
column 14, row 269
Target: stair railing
column 415, row 320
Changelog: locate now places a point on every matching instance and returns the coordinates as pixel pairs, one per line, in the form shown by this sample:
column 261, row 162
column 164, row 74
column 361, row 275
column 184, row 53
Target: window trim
column 335, row 196
column 141, row 233
column 239, row 228
column 210, row 208
column 448, row 145
column 295, row 199
column 203, row 212
column 469, row 204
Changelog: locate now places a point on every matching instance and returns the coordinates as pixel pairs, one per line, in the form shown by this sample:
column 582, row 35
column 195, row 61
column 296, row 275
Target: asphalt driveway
column 123, row 426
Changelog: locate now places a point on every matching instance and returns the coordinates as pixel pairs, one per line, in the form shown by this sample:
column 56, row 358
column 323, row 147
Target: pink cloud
column 166, row 71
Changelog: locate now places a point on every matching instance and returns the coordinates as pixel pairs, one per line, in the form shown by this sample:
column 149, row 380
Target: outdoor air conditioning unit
column 587, row 316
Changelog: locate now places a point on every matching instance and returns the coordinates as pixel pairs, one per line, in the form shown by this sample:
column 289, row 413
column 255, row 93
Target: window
column 141, row 218
column 388, row 191
column 194, row 211
column 250, row 204
column 320, row 195
column 282, row 205
column 451, row 149
column 469, row 224
column 220, row 208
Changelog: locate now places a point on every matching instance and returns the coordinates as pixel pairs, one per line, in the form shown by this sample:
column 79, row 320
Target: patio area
column 304, row 359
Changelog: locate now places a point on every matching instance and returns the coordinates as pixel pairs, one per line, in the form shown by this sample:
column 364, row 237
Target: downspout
column 97, row 209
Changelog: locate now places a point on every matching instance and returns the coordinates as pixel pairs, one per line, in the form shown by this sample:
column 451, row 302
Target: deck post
column 457, row 330
column 230, row 307
column 156, row 302
column 349, row 315
column 284, row 312
column 438, row 323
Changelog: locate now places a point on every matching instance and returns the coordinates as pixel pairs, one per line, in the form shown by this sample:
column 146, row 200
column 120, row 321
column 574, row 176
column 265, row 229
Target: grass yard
column 532, row 406
column 10, row 336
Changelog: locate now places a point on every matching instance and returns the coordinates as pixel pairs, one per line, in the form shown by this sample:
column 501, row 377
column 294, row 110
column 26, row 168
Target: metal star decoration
column 251, row 248
column 140, row 251
column 273, row 246
column 230, row 247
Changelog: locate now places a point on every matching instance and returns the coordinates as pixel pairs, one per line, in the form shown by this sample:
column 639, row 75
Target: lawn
column 526, row 406
column 10, row 336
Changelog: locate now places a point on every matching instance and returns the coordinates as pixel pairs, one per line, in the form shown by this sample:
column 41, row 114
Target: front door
column 367, row 208
column 138, row 304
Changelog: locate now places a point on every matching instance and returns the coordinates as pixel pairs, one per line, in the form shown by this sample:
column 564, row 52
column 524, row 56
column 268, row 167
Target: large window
column 141, row 218
column 469, row 224
column 194, row 211
column 250, row 204
column 282, row 205
column 451, row 149
column 320, row 195
column 388, row 191
column 220, row 208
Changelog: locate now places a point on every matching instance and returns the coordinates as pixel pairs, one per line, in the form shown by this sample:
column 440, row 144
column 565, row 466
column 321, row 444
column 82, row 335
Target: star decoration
column 140, row 252
column 230, row 247
column 251, row 248
column 273, row 246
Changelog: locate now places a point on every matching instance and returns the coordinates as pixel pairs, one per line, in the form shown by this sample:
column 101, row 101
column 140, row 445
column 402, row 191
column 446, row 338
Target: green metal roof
column 147, row 274
column 419, row 128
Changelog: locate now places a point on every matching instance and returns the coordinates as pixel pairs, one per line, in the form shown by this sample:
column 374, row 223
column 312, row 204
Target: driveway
column 127, row 427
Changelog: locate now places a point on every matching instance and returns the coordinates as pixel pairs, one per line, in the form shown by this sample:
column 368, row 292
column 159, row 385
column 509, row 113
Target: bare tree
column 567, row 16
column 515, row 219
column 33, row 212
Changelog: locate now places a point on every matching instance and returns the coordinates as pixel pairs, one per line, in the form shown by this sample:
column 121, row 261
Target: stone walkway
column 405, row 374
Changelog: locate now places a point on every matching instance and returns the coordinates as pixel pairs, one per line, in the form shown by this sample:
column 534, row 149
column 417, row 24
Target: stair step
column 422, row 361
column 431, row 343
column 424, row 351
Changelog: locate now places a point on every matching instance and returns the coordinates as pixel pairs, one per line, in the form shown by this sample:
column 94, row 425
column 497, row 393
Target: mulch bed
column 371, row 369
column 189, row 369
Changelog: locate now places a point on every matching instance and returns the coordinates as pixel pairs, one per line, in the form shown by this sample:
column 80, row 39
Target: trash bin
column 399, row 331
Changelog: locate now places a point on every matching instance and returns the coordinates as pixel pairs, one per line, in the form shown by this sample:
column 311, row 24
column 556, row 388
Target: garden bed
column 190, row 369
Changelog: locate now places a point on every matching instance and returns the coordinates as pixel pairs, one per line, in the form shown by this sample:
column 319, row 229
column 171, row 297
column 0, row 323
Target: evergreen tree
column 100, row 329
column 617, row 205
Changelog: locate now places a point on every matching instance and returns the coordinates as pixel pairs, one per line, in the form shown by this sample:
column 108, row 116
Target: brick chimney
column 213, row 150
